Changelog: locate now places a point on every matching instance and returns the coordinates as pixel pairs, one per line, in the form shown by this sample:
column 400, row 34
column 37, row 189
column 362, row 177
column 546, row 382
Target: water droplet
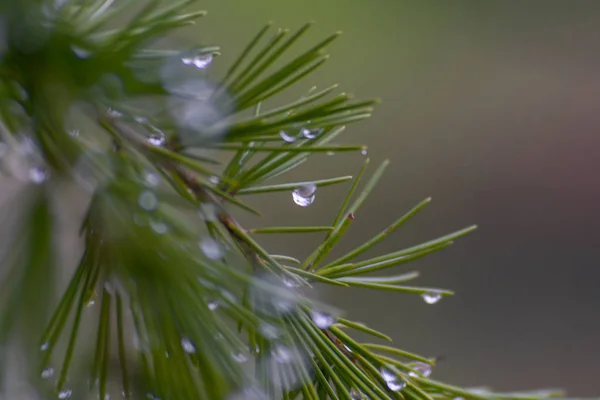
column 322, row 320
column 287, row 137
column 269, row 331
column 148, row 200
column 73, row 133
column 282, row 354
column 114, row 113
column 157, row 138
column 159, row 227
column 214, row 179
column 188, row 346
column 213, row 305
column 311, row 133
column 304, row 196
column 239, row 357
column 44, row 346
column 211, row 248
column 363, row 152
column 65, row 394
column 420, row 369
column 431, row 297
column 355, row 394
column 330, row 153
column 152, row 179
column 38, row 175
column 48, row 373
column 81, row 52
column 291, row 281
column 200, row 61
column 391, row 380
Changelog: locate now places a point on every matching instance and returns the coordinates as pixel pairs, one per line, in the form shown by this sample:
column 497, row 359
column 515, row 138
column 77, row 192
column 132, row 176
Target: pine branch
column 186, row 296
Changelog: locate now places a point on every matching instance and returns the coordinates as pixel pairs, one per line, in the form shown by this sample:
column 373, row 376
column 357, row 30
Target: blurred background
column 493, row 109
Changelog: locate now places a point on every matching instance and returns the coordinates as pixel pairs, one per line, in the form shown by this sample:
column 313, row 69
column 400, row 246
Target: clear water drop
column 287, row 137
column 431, row 297
column 159, row 227
column 388, row 375
column 322, row 320
column 38, row 175
column 330, row 153
column 291, row 281
column 239, row 358
column 114, row 113
column 396, row 386
column 81, row 52
column 282, row 354
column 355, row 394
column 44, row 346
column 188, row 346
column 65, row 394
column 211, row 248
column 73, row 133
column 391, row 379
column 148, row 200
column 364, row 152
column 152, row 179
column 269, row 331
column 214, row 179
column 213, row 305
column 47, row 373
column 157, row 138
column 420, row 369
column 311, row 133
column 304, row 196
column 199, row 61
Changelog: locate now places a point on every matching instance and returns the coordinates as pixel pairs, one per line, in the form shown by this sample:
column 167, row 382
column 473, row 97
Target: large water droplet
column 304, row 196
column 148, row 200
column 282, row 354
column 287, row 137
column 211, row 248
column 431, row 297
column 396, row 386
column 420, row 369
column 65, row 394
column 48, row 373
column 214, row 179
column 188, row 346
column 159, row 227
column 38, row 175
column 200, row 61
column 364, row 152
column 322, row 320
column 391, row 379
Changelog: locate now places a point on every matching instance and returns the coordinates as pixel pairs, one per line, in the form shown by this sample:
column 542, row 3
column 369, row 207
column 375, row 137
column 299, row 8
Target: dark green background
column 493, row 109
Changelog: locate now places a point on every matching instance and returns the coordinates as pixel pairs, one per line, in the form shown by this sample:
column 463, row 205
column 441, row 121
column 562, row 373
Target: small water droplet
column 304, row 196
column 287, row 137
column 420, row 369
column 211, row 248
column 355, row 394
column 48, row 373
column 81, row 52
column 157, row 138
column 282, row 354
column 364, row 152
column 200, row 61
column 73, row 133
column 431, row 297
column 330, row 153
column 269, row 331
column 114, row 113
column 188, row 346
column 65, row 394
column 311, row 133
column 214, row 179
column 159, row 227
column 38, row 175
column 44, row 346
column 148, row 200
column 391, row 379
column 322, row 320
column 239, row 357
column 213, row 305
column 152, row 179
